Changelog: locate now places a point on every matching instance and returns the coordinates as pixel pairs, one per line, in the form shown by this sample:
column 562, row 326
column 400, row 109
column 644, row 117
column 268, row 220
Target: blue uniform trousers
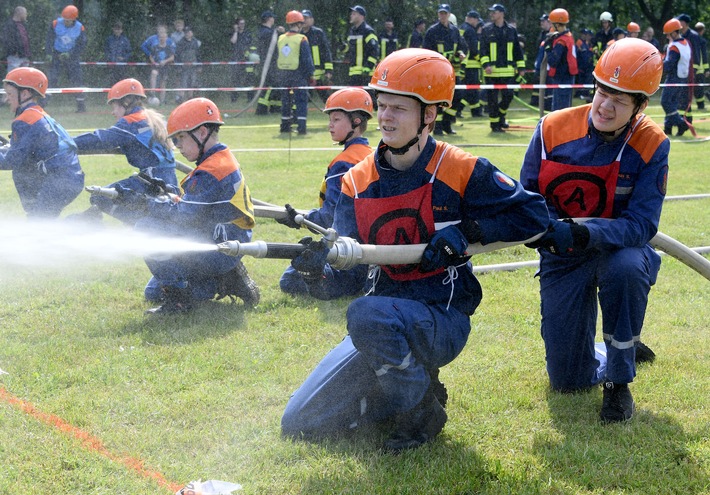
column 380, row 369
column 568, row 289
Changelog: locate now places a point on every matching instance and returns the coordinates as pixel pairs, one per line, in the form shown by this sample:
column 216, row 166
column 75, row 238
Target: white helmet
column 453, row 20
column 606, row 16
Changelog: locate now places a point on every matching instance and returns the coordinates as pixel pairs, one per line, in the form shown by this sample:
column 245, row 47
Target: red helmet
column 70, row 12
column 630, row 65
column 672, row 25
column 28, row 78
column 350, row 100
column 559, row 16
column 192, row 114
column 127, row 87
column 632, row 27
column 294, row 17
column 423, row 74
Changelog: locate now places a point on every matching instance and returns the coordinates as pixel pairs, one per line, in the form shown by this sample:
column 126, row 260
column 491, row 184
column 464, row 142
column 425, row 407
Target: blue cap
column 586, row 31
column 544, row 17
column 360, row 10
column 266, row 14
column 684, row 17
column 306, row 13
column 444, row 7
column 496, row 7
column 474, row 14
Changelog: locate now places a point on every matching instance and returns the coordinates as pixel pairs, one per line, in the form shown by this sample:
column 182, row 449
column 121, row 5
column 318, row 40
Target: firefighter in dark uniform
column 322, row 55
column 703, row 74
column 389, row 40
column 696, row 73
column 416, row 39
column 444, row 38
column 295, row 68
column 472, row 64
column 269, row 101
column 363, row 48
column 501, row 58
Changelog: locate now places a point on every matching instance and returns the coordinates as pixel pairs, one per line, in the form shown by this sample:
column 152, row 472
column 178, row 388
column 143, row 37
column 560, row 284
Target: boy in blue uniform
column 42, row 156
column 415, row 318
column 348, row 110
column 141, row 135
column 66, row 40
column 215, row 206
column 609, row 162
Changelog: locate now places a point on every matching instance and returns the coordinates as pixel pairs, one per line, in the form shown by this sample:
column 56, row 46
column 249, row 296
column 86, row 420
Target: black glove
column 549, row 40
column 290, row 220
column 446, row 248
column 310, row 263
column 154, row 187
column 563, row 237
column 126, row 195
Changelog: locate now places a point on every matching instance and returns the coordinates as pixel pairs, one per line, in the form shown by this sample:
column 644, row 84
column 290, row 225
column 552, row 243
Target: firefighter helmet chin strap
column 612, row 134
column 415, row 139
column 21, row 103
column 201, row 144
column 353, row 127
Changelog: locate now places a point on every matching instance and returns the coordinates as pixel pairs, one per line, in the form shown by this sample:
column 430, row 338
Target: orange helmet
column 672, row 25
column 70, row 12
column 632, row 27
column 350, row 100
column 559, row 16
column 294, row 17
column 28, row 78
column 127, row 87
column 417, row 72
column 192, row 114
column 630, row 65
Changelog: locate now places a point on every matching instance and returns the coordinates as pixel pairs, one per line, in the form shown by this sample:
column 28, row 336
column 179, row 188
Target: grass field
column 96, row 398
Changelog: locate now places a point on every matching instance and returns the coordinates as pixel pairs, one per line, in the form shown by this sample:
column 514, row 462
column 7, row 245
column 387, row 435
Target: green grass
column 201, row 395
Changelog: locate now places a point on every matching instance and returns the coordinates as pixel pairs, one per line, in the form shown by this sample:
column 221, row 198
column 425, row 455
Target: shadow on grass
column 649, row 454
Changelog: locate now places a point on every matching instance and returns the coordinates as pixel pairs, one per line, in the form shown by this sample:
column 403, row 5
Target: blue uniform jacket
column 641, row 183
column 466, row 187
column 134, row 138
column 39, row 142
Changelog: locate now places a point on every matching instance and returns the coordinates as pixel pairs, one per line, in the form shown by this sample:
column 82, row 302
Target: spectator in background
column 617, row 34
column 699, row 60
column 389, row 41
column 179, row 31
column 704, row 72
column 243, row 50
column 604, row 35
column 416, row 39
column 188, row 52
column 561, row 59
column 677, row 66
column 118, row 49
column 66, row 40
column 585, row 63
column 363, row 48
column 160, row 51
column 472, row 64
column 16, row 40
column 322, row 56
column 266, row 38
column 545, row 27
column 650, row 35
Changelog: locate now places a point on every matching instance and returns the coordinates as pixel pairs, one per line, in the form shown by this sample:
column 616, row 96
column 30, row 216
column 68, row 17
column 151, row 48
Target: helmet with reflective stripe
column 672, row 25
column 422, row 74
column 70, row 12
column 631, row 65
column 559, row 16
column 28, row 78
column 350, row 100
column 294, row 17
column 126, row 87
column 192, row 114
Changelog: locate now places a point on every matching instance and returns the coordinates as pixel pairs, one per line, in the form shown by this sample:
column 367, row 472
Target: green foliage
column 201, row 395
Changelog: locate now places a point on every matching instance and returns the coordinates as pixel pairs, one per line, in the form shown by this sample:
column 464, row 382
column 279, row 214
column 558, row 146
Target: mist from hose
column 62, row 245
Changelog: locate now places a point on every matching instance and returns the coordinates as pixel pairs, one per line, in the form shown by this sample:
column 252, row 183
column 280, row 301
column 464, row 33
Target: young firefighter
column 41, row 155
column 561, row 59
column 677, row 65
column 215, row 206
column 415, row 318
column 66, row 40
column 140, row 134
column 348, row 110
column 609, row 162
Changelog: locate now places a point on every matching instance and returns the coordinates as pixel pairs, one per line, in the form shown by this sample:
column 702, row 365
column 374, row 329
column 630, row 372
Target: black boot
column 416, row 427
column 437, row 388
column 446, row 126
column 176, row 300
column 238, row 283
column 438, row 130
column 618, row 404
column 285, row 126
column 643, row 353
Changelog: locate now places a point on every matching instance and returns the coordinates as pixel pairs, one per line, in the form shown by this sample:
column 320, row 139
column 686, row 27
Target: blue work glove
column 311, row 262
column 290, row 220
column 563, row 237
column 446, row 248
